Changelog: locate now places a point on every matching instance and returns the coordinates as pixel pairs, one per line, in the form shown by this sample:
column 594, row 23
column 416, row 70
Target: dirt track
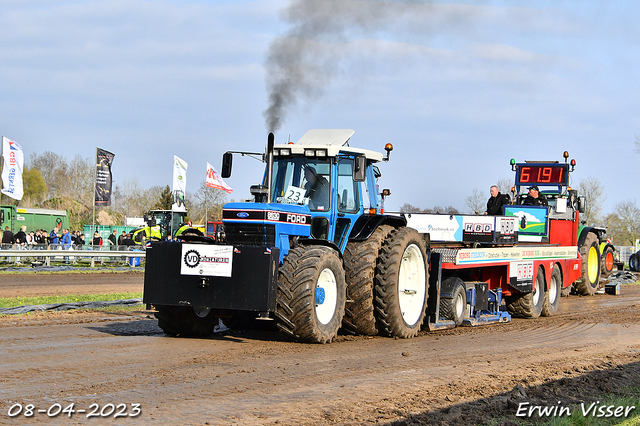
column 461, row 376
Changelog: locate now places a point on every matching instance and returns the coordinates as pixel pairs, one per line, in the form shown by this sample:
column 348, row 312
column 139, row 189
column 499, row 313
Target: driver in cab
column 534, row 197
column 317, row 189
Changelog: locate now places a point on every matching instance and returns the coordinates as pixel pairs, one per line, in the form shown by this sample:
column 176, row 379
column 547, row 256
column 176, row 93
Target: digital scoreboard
column 542, row 174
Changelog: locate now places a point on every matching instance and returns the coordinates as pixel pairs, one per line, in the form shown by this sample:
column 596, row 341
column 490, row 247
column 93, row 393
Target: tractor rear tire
column 311, row 294
column 402, row 283
column 528, row 305
column 553, row 294
column 454, row 308
column 589, row 282
column 185, row 321
column 360, row 266
column 606, row 268
column 633, row 262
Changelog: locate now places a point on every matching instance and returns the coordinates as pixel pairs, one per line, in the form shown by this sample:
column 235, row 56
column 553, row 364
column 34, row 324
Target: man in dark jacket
column 7, row 236
column 497, row 200
column 21, row 236
column 113, row 239
column 534, row 197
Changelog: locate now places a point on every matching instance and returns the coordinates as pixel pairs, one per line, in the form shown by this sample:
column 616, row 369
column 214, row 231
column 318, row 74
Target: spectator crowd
column 61, row 239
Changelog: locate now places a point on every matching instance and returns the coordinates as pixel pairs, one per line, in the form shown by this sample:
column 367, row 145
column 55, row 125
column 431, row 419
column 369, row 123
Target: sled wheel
column 528, row 305
column 185, row 321
column 454, row 308
column 552, row 296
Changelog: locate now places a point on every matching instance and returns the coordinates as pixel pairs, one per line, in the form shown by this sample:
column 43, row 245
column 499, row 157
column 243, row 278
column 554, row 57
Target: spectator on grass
column 21, row 236
column 97, row 239
column 66, row 239
column 53, row 236
column 31, row 239
column 7, row 237
column 113, row 239
column 127, row 241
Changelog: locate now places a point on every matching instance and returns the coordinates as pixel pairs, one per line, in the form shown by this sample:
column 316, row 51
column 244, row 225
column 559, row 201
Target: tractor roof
column 335, row 141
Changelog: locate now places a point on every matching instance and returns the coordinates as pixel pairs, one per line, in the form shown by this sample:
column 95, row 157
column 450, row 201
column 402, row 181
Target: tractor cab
column 317, row 188
column 160, row 224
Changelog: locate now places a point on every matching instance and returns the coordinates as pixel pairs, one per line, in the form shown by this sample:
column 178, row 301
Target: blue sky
column 459, row 88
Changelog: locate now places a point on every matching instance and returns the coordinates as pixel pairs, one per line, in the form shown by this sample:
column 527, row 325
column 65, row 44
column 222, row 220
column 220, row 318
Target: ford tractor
column 313, row 252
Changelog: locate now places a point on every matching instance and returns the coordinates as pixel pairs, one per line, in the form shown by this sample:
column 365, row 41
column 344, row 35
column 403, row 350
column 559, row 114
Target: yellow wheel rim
column 592, row 264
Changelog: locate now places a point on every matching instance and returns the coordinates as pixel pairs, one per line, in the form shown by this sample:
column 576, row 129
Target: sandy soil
column 50, row 284
column 464, row 376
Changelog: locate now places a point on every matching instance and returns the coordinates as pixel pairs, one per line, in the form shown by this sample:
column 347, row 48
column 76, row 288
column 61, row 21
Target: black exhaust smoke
column 322, row 33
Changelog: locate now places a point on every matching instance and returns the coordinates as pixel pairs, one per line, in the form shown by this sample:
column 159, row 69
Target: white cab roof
column 334, row 140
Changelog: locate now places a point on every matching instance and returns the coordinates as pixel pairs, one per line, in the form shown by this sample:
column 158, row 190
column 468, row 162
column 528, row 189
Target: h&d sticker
column 209, row 260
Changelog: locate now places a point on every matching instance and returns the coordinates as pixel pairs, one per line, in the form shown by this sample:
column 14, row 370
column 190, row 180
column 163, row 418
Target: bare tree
column 206, row 201
column 629, row 220
column 504, row 185
column 595, row 194
column 477, row 201
column 638, row 144
column 53, row 168
column 409, row 208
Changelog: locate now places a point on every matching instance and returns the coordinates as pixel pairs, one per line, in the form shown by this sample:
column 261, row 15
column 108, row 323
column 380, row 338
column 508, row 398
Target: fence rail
column 45, row 255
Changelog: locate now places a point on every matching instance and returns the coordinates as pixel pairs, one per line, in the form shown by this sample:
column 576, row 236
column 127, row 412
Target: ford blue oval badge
column 243, row 214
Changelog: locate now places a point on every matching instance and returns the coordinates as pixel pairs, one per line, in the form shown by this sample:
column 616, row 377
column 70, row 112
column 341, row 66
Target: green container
column 104, row 231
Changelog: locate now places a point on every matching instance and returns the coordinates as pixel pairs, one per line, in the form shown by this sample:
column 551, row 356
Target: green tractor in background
column 161, row 224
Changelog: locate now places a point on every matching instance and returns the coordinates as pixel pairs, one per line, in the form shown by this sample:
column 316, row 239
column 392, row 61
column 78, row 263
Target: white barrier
column 70, row 255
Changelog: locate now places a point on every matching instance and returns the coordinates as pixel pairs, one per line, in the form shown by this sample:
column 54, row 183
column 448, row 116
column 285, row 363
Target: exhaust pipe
column 270, row 143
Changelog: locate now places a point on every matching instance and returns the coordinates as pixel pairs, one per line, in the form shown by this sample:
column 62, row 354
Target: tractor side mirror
column 360, row 169
column 582, row 203
column 227, row 160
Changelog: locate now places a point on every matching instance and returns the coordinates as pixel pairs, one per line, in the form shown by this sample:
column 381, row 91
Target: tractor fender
column 365, row 226
column 314, row 242
column 585, row 231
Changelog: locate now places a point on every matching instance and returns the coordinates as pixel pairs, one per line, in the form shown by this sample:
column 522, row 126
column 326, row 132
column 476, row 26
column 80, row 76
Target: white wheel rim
column 412, row 285
column 326, row 309
column 536, row 290
column 553, row 290
column 459, row 305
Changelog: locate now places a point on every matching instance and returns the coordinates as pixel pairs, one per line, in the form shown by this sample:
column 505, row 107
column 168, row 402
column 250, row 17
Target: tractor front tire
column 606, row 268
column 311, row 294
column 402, row 283
column 360, row 260
column 589, row 282
column 185, row 321
column 528, row 305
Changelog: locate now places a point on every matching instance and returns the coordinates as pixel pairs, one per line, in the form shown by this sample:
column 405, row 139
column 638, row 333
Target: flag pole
column 206, row 212
column 2, row 157
column 95, row 183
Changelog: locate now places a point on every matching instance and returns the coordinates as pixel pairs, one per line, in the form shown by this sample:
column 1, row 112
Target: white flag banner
column 214, row 180
column 12, row 171
column 179, row 184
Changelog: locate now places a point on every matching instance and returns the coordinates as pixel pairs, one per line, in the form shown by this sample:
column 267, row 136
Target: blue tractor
column 313, row 252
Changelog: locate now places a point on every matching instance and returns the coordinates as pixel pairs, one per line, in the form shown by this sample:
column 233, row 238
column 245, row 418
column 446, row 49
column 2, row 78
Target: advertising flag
column 179, row 184
column 12, row 170
column 214, row 180
column 104, row 159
